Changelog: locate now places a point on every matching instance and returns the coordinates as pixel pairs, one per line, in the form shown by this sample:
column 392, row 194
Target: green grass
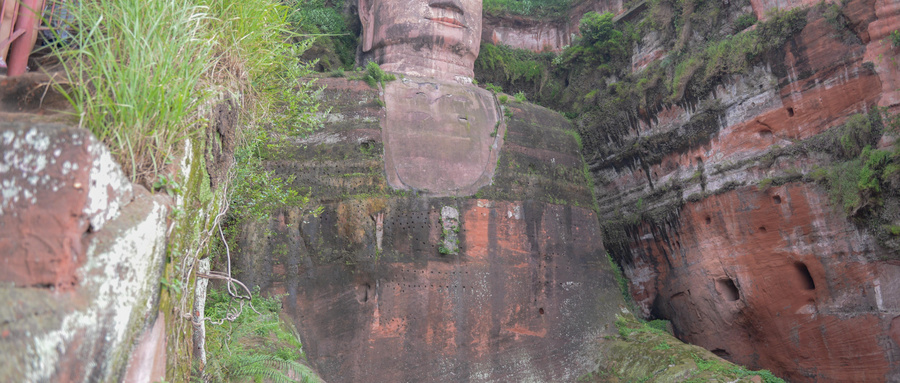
column 138, row 73
column 135, row 76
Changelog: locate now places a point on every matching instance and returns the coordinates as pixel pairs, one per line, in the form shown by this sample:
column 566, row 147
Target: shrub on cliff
column 600, row 35
column 246, row 340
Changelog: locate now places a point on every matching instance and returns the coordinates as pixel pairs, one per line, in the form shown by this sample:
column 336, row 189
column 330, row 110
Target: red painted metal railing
column 20, row 22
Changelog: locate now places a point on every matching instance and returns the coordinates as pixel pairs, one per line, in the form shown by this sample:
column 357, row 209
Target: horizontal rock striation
column 712, row 208
column 525, row 294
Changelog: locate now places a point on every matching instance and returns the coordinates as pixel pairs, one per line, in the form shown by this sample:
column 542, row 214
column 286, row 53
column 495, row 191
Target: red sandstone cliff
column 775, row 277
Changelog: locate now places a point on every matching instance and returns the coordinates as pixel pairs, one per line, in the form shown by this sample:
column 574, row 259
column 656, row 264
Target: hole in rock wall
column 790, row 112
column 762, row 229
column 541, row 311
column 728, row 289
column 708, row 220
column 804, row 277
column 776, row 199
column 722, row 353
column 362, row 292
column 765, row 133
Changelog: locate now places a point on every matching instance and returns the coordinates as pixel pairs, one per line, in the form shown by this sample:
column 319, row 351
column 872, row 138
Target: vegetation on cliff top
column 528, row 8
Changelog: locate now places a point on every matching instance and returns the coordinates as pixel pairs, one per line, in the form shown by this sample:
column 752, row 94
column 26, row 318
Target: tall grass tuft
column 134, row 67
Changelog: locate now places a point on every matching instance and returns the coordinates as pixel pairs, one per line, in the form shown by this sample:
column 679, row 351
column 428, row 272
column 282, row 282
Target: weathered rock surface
column 82, row 252
column 767, row 276
column 59, row 184
column 525, row 297
column 376, row 292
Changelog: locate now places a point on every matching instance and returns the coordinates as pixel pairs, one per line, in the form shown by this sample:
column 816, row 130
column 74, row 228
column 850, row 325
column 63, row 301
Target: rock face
column 524, row 294
column 533, row 35
column 82, row 253
column 511, row 285
column 732, row 239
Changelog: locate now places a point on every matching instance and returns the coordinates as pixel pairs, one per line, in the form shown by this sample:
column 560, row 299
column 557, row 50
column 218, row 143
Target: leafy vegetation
column 855, row 184
column 744, row 21
column 376, row 76
column 335, row 43
column 895, row 38
column 501, row 64
column 532, row 8
column 257, row 192
column 246, row 340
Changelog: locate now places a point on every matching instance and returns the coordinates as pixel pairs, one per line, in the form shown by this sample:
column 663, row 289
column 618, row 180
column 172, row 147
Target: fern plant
column 255, row 345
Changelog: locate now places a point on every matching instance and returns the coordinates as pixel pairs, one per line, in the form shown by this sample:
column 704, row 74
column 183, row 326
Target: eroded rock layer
column 724, row 226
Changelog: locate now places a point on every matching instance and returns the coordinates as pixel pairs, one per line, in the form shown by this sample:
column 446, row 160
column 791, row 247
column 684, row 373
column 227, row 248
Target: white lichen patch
column 25, row 160
column 109, row 188
column 121, row 274
column 40, row 158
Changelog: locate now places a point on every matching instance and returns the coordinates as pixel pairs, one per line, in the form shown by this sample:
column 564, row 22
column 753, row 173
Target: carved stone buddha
column 442, row 135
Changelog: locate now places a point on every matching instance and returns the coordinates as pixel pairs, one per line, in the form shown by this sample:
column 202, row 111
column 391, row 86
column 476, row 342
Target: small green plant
column 600, row 36
column 376, row 76
column 168, row 184
column 520, row 96
column 620, row 280
column 493, row 88
column 894, row 230
column 895, row 38
column 744, row 21
column 503, row 99
column 256, row 192
column 662, row 346
column 174, row 286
